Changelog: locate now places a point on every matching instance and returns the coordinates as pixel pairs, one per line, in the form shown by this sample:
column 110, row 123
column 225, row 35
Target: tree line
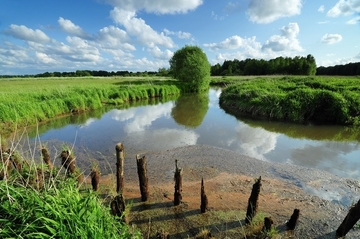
column 102, row 73
column 349, row 69
column 278, row 66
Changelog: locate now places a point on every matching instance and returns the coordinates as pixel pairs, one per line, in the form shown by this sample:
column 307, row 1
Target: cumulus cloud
column 353, row 21
column 266, row 11
column 287, row 41
column 344, row 7
column 331, row 38
column 114, row 38
column 157, row 6
column 157, row 53
column 233, row 42
column 179, row 34
column 27, row 34
column 138, row 28
column 44, row 58
column 321, row 8
column 72, row 29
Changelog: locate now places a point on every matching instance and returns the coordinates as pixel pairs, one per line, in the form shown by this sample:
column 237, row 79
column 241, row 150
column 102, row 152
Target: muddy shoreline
column 322, row 198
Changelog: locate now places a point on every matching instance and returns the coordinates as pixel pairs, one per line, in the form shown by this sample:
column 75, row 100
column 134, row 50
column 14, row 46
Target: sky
column 39, row 36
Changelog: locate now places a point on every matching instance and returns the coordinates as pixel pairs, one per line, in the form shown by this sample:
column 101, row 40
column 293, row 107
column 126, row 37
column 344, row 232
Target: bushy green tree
column 190, row 64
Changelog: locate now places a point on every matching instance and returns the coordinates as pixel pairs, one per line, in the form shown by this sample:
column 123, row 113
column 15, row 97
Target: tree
column 190, row 65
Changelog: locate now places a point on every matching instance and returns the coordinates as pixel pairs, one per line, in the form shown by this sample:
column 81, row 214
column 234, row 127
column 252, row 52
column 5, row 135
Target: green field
column 327, row 100
column 26, row 101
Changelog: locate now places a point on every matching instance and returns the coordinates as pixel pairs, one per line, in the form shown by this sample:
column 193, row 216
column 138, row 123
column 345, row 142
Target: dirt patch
column 228, row 179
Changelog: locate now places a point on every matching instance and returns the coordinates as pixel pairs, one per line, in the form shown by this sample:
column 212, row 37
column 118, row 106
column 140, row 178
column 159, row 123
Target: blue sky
column 138, row 35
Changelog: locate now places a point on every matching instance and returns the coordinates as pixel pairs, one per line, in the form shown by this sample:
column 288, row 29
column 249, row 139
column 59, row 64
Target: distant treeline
column 278, row 66
column 350, row 69
column 80, row 73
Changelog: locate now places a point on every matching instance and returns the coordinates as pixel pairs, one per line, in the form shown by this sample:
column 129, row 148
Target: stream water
column 198, row 120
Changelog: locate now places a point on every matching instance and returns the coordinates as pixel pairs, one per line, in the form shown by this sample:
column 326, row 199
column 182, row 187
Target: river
column 198, row 120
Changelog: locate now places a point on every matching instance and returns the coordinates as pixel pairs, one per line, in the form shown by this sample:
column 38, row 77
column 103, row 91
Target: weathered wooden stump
column 95, row 178
column 46, row 158
column 68, row 161
column 178, row 184
column 204, row 199
column 268, row 222
column 253, row 201
column 349, row 221
column 117, row 207
column 143, row 178
column 291, row 224
column 119, row 167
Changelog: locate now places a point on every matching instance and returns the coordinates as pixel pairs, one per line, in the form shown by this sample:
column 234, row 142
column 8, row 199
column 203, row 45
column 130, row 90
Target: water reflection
column 190, row 109
column 198, row 119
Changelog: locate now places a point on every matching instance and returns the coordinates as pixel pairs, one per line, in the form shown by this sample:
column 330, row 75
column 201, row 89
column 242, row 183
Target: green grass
column 296, row 99
column 27, row 101
column 41, row 202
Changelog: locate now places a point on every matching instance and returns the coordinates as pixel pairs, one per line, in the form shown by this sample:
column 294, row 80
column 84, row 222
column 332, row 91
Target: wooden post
column 268, row 222
column 204, row 200
column 117, row 207
column 68, row 161
column 178, row 184
column 46, row 158
column 349, row 221
column 143, row 178
column 95, row 178
column 119, row 167
column 253, row 201
column 291, row 224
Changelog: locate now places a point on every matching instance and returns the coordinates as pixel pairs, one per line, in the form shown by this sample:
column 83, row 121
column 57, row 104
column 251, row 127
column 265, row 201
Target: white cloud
column 287, row 41
column 114, row 38
column 138, row 28
column 179, row 34
column 353, row 21
column 233, row 42
column 344, row 7
column 44, row 58
column 266, row 11
column 331, row 38
column 285, row 44
column 157, row 6
column 157, row 53
column 72, row 29
column 321, row 8
column 27, row 34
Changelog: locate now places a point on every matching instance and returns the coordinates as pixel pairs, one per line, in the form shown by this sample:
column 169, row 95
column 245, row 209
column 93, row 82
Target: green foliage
column 191, row 113
column 60, row 212
column 190, row 64
column 280, row 65
column 28, row 101
column 322, row 100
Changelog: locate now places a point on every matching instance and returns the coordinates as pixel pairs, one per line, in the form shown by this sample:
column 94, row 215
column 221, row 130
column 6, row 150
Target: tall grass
column 314, row 99
column 28, row 101
column 39, row 202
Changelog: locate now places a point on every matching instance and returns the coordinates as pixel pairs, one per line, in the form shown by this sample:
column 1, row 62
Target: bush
column 190, row 64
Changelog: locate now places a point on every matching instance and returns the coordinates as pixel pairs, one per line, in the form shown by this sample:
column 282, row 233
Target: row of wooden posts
column 117, row 205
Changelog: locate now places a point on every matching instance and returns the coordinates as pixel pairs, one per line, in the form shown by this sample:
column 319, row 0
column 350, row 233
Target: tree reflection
column 190, row 109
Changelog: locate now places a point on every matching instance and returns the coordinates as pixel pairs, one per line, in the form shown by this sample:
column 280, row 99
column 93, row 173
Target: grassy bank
column 28, row 101
column 40, row 200
column 296, row 99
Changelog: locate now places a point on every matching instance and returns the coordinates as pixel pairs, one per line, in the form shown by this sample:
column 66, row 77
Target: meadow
column 322, row 100
column 28, row 101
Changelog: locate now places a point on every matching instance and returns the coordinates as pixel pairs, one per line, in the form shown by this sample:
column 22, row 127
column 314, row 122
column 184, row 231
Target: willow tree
column 190, row 64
